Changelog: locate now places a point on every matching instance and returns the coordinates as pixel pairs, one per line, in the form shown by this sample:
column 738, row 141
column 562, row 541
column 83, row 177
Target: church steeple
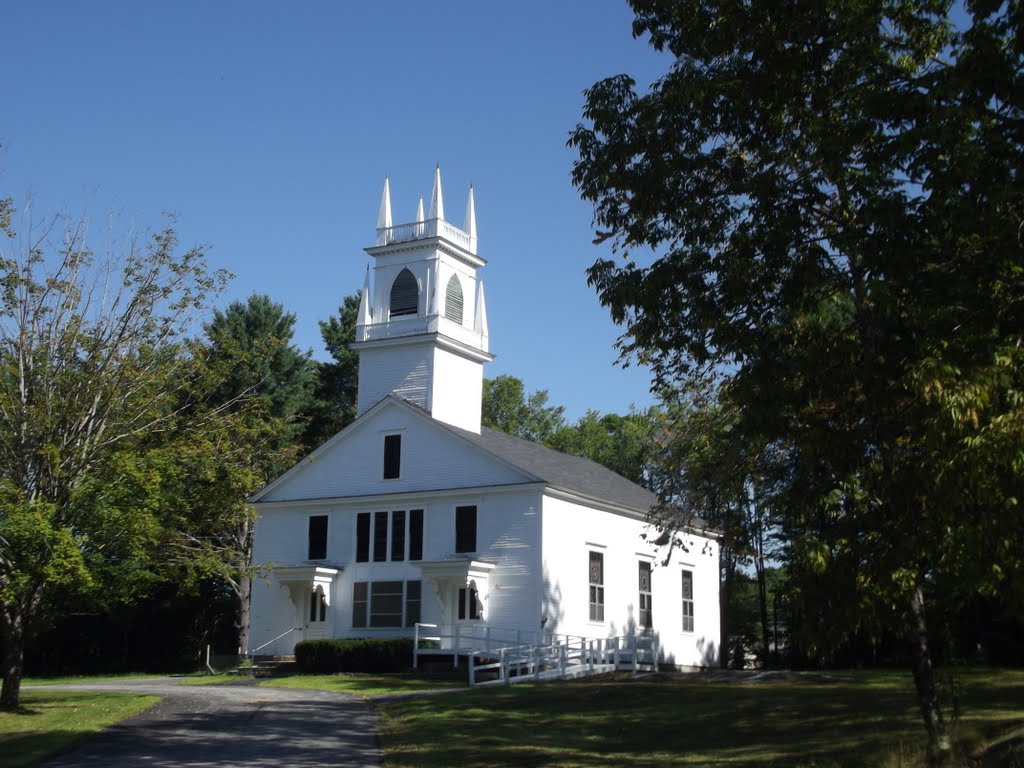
column 422, row 331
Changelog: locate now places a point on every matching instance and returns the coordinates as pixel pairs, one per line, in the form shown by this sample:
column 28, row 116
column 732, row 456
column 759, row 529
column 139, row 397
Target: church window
column 386, row 603
column 392, row 456
column 372, row 533
column 453, row 300
column 317, row 537
column 416, row 534
column 380, row 537
column 465, row 529
column 645, row 619
column 405, row 295
column 596, row 576
column 687, row 601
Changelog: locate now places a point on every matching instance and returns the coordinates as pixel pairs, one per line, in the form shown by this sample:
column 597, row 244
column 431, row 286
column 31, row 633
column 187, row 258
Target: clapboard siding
column 571, row 532
column 432, row 458
column 403, row 371
column 458, row 390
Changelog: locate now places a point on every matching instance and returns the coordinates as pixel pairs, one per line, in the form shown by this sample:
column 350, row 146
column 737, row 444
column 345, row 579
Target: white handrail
column 293, row 629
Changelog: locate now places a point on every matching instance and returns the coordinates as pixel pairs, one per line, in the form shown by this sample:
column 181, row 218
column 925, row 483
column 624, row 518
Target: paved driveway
column 231, row 725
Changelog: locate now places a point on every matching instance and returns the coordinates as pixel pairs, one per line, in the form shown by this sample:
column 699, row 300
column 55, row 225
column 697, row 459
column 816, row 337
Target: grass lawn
column 364, row 685
column 866, row 719
column 50, row 722
column 71, row 680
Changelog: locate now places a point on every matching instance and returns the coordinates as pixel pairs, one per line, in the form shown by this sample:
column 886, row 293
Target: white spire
column 418, row 230
column 480, row 320
column 384, row 217
column 436, row 199
column 365, row 312
column 470, row 226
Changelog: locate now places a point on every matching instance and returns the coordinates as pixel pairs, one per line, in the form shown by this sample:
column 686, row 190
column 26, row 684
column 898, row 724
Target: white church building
column 417, row 514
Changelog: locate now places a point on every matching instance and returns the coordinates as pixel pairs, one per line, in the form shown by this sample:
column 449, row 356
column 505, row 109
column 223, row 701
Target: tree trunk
column 939, row 745
column 244, row 608
column 728, row 568
column 13, row 629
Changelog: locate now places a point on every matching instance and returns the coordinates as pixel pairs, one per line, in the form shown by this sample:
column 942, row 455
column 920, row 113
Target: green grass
column 858, row 720
column 50, row 722
column 364, row 685
column 204, row 679
column 73, row 679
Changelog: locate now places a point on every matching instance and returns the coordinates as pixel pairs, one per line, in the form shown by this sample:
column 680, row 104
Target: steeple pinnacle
column 384, row 217
column 436, row 199
column 365, row 310
column 470, row 226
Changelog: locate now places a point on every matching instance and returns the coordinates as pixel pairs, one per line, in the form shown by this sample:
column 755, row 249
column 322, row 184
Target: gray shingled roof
column 560, row 470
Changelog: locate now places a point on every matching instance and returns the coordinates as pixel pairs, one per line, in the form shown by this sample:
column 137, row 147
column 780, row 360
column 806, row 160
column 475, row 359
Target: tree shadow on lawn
column 682, row 722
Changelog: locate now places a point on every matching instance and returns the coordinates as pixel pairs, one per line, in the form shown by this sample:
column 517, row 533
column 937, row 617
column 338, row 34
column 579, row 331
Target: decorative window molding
column 453, row 300
column 317, row 605
column 470, row 605
column 405, row 295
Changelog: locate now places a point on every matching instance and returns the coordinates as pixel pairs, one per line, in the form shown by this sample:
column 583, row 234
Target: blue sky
column 269, row 128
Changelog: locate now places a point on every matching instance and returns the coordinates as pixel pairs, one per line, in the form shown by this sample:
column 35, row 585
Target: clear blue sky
column 269, row 128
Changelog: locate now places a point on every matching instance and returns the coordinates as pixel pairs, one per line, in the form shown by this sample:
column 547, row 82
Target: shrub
column 356, row 655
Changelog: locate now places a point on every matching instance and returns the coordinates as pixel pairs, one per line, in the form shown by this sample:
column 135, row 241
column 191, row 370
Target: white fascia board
column 448, row 247
column 564, row 494
column 399, row 499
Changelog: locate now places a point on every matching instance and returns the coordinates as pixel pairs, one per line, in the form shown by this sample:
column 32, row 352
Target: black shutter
column 416, row 534
column 317, row 537
column 363, row 537
column 465, row 529
column 392, row 456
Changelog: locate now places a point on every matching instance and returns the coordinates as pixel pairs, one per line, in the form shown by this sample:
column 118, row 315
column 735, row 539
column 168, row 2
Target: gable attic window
column 317, row 537
column 465, row 529
column 405, row 295
column 453, row 300
column 392, row 457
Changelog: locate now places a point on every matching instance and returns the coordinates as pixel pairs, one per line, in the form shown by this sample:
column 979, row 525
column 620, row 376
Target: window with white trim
column 386, row 603
column 453, row 300
column 392, row 457
column 465, row 528
column 687, row 601
column 394, row 536
column 595, row 572
column 645, row 618
column 317, row 605
column 405, row 295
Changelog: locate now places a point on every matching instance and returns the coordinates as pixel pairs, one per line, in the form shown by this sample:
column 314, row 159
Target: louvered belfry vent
column 405, row 295
column 453, row 300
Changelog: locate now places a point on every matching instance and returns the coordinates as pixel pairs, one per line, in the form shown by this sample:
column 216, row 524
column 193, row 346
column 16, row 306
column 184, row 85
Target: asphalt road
column 231, row 725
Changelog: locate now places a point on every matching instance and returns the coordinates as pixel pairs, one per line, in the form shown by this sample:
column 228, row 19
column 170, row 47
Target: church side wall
column 572, row 531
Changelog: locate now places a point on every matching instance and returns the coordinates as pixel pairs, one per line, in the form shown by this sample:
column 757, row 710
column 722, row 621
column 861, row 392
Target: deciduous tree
column 831, row 199
column 91, row 363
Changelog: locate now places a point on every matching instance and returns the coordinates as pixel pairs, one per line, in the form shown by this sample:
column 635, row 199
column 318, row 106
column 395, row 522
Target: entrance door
column 316, row 614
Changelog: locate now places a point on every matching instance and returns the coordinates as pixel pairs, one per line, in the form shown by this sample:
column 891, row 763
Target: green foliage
column 832, row 203
column 92, row 364
column 358, row 655
column 506, row 408
column 624, row 444
column 337, row 386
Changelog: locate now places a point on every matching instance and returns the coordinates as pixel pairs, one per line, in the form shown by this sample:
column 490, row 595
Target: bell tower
column 422, row 329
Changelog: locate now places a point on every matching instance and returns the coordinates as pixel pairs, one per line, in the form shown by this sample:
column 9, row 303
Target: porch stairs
column 545, row 656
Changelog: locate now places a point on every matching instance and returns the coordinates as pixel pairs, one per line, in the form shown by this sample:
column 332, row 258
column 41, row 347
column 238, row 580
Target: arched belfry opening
column 453, row 300
column 405, row 295
column 422, row 329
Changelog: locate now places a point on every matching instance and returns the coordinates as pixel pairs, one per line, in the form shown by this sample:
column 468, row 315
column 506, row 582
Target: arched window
column 405, row 295
column 453, row 300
